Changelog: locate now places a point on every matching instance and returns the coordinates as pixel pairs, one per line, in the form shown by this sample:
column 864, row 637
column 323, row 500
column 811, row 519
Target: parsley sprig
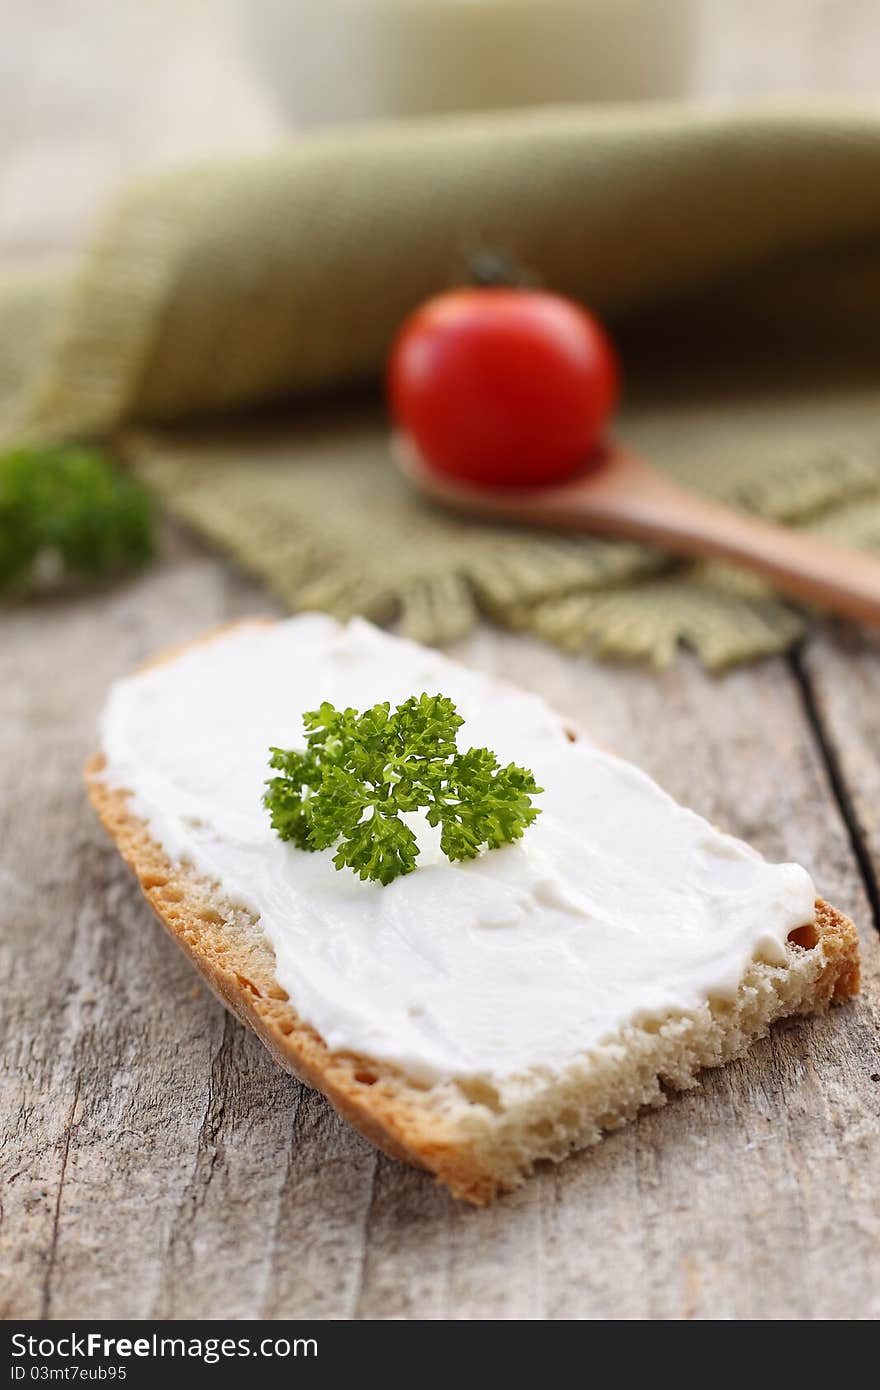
column 68, row 501
column 359, row 774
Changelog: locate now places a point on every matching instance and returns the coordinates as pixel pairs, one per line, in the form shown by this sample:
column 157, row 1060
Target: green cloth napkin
column 736, row 254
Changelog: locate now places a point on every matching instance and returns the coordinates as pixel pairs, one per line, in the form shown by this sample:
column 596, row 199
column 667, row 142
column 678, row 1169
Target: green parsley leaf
column 359, row 774
column 69, row 501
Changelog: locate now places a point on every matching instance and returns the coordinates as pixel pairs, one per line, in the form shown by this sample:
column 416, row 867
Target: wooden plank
column 160, row 1164
column 111, row 1077
column 841, row 668
column 702, row 1209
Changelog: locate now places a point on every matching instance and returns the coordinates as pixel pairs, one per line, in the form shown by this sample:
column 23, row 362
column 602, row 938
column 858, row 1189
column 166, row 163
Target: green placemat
column 737, row 255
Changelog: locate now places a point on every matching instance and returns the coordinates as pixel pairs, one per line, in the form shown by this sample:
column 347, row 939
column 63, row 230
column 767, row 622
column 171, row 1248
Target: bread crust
column 237, row 961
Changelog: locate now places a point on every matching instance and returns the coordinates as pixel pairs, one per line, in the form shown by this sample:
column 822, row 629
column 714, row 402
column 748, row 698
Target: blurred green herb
column 70, row 503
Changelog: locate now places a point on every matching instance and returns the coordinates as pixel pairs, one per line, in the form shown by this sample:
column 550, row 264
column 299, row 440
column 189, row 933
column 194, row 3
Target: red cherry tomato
column 506, row 387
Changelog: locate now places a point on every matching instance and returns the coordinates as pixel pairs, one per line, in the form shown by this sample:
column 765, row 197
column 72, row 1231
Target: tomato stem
column 490, row 267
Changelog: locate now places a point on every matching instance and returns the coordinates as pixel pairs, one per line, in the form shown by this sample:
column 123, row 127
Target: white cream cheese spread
column 617, row 906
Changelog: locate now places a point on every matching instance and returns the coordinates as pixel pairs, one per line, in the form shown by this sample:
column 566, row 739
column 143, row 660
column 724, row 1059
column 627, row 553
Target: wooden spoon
column 625, row 497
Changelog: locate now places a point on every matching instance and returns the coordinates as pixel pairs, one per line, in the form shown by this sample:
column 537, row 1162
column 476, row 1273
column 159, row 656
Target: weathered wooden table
column 157, row 1164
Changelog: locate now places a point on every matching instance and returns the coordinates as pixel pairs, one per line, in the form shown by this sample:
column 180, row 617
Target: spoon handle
column 627, row 498
column 630, row 499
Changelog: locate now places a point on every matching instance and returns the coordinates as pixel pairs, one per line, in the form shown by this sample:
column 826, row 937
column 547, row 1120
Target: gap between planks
column 827, row 751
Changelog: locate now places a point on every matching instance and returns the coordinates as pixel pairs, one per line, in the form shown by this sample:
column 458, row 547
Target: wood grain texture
column 158, row 1164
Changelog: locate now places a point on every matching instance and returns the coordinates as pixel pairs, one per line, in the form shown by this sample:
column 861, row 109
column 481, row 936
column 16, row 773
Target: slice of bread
column 477, row 1138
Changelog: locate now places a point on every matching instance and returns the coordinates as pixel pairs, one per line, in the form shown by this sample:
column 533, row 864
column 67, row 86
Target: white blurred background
column 95, row 91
